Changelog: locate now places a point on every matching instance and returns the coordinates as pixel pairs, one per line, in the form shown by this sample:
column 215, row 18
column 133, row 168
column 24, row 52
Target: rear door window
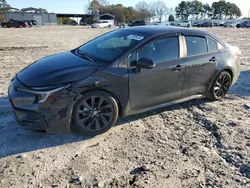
column 161, row 50
column 196, row 45
column 212, row 45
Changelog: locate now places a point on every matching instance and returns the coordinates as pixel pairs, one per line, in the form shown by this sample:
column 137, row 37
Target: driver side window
column 161, row 50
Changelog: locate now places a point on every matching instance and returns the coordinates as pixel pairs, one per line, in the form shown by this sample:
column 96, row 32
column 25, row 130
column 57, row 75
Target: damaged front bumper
column 42, row 110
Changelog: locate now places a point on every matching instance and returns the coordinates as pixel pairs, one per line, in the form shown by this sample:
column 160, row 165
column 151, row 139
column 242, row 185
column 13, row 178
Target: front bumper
column 52, row 115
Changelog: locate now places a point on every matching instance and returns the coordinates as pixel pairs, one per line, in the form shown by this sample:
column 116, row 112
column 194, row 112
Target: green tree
column 219, row 9
column 223, row 9
column 207, row 11
column 4, row 4
column 183, row 10
column 196, row 8
column 171, row 18
column 232, row 11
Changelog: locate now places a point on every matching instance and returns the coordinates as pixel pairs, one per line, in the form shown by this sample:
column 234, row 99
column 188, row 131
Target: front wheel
column 95, row 113
column 220, row 86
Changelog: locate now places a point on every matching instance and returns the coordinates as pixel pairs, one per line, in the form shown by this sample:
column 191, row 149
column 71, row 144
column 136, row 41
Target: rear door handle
column 213, row 59
column 178, row 68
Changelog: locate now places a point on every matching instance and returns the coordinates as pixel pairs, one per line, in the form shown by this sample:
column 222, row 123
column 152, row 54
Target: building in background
column 30, row 13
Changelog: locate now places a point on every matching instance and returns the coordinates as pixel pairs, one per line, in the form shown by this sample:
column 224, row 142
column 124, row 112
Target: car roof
column 153, row 31
column 158, row 30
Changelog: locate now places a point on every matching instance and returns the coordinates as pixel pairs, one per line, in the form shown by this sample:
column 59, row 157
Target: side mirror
column 144, row 63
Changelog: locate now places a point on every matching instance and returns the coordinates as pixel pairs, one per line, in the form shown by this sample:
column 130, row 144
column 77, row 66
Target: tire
column 20, row 26
column 95, row 113
column 220, row 86
column 188, row 25
column 178, row 25
column 109, row 26
column 5, row 26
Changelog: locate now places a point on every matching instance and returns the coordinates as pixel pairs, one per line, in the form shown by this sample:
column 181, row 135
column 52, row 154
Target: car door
column 161, row 84
column 201, row 62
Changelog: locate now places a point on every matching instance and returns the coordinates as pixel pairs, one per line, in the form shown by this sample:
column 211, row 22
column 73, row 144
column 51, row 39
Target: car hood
column 57, row 69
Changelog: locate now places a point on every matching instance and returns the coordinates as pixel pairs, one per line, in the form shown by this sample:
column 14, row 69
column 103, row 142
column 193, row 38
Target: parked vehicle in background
column 83, row 23
column 195, row 24
column 74, row 23
column 221, row 24
column 101, row 24
column 205, row 24
column 137, row 23
column 230, row 24
column 34, row 22
column 184, row 23
column 14, row 23
column 160, row 23
column 216, row 24
column 245, row 24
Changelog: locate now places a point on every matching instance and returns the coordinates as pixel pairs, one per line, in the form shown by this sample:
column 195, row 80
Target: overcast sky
column 76, row 6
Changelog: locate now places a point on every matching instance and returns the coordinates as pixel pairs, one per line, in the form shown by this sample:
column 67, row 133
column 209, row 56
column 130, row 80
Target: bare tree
column 143, row 8
column 158, row 9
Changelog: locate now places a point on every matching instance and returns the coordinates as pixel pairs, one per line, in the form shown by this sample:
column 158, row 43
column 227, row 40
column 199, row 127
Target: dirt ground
column 199, row 143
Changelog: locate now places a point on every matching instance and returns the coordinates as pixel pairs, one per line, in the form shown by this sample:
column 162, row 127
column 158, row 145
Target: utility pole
column 249, row 13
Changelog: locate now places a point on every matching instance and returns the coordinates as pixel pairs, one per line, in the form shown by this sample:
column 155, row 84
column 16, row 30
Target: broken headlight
column 43, row 93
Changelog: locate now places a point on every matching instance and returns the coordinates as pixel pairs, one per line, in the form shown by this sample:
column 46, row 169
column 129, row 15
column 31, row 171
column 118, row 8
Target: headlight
column 43, row 93
column 48, row 88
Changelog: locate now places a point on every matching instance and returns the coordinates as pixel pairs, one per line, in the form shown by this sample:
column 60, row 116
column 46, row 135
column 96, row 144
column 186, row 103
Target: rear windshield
column 111, row 45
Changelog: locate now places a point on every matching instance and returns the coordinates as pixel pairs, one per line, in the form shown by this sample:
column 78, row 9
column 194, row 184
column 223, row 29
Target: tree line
column 158, row 9
column 141, row 11
column 4, row 4
column 198, row 10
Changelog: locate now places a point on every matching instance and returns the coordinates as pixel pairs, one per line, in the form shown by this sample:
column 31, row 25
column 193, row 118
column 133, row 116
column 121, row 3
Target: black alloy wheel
column 220, row 86
column 95, row 113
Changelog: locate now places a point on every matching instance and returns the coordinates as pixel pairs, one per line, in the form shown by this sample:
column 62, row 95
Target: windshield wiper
column 86, row 56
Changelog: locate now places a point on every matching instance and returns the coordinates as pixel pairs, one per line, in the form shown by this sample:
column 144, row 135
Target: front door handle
column 178, row 68
column 213, row 59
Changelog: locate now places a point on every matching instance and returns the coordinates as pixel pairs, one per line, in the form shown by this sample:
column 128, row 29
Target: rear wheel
column 109, row 26
column 220, row 86
column 95, row 113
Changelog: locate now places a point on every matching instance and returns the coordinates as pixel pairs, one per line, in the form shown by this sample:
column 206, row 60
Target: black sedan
column 245, row 24
column 120, row 73
column 205, row 24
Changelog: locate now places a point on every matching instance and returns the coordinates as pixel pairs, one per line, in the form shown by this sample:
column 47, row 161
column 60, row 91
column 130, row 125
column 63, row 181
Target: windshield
column 111, row 45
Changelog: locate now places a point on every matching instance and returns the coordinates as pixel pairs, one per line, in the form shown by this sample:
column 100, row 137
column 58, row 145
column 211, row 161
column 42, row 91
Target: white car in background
column 160, row 23
column 101, row 24
column 184, row 23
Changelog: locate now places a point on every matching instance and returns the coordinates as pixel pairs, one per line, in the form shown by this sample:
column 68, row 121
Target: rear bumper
column 52, row 115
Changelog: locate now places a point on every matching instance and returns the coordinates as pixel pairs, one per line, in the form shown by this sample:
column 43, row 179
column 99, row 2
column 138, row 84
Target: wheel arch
column 120, row 113
column 227, row 69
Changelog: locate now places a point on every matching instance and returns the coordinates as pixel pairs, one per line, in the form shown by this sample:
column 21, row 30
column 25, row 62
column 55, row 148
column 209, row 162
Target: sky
column 77, row 6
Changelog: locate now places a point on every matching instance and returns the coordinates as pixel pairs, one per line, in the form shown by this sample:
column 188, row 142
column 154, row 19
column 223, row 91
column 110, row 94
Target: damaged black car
column 121, row 73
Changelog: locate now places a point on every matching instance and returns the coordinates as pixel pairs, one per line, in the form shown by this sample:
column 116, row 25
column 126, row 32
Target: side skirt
column 163, row 105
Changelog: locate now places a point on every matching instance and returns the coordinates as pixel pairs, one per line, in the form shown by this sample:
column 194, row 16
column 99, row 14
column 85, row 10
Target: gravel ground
column 199, row 143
